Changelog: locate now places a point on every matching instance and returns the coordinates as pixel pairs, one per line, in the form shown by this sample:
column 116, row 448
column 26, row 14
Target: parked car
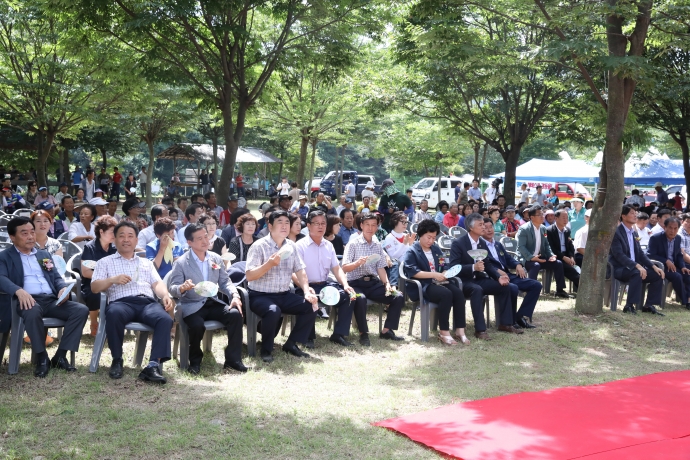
column 329, row 183
column 315, row 186
column 565, row 191
column 427, row 189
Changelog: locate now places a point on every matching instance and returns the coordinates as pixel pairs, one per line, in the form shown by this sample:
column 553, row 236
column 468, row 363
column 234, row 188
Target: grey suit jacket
column 12, row 279
column 526, row 242
column 186, row 268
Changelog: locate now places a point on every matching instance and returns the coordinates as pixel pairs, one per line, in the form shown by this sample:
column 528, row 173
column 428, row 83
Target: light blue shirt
column 475, row 193
column 203, row 266
column 181, row 238
column 631, row 239
column 35, row 281
column 346, row 233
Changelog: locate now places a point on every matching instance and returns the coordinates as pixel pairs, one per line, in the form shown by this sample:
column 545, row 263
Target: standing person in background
column 351, row 192
column 661, row 195
column 524, row 193
column 104, row 181
column 203, row 180
column 77, row 177
column 130, row 187
column 284, row 187
column 239, row 181
column 539, row 198
column 212, row 179
column 391, row 201
column 89, row 185
column 117, row 180
column 475, row 192
column 143, row 180
column 492, row 192
column 294, row 192
column 255, row 186
column 463, row 198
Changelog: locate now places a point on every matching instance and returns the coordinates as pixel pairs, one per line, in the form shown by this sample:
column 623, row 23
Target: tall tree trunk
column 65, row 166
column 232, row 143
column 337, row 168
column 607, row 206
column 104, row 155
column 476, row 147
column 313, row 162
column 214, row 141
column 481, row 170
column 303, row 157
column 440, row 181
column 511, row 166
column 149, row 174
column 683, row 142
column 342, row 171
column 45, row 144
column 282, row 163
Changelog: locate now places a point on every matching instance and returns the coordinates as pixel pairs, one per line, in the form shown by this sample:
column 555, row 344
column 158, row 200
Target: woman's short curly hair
column 243, row 219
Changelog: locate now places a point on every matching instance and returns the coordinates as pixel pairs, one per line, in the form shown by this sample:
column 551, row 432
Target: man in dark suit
column 666, row 248
column 499, row 257
column 31, row 276
column 631, row 265
column 476, row 283
column 536, row 251
column 558, row 236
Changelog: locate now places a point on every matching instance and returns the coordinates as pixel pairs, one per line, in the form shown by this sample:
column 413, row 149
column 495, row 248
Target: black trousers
column 570, row 273
column 376, row 291
column 578, row 259
column 74, row 314
column 635, row 285
column 144, row 310
column 447, row 296
column 680, row 282
column 346, row 308
column 476, row 289
column 270, row 308
column 215, row 311
column 556, row 267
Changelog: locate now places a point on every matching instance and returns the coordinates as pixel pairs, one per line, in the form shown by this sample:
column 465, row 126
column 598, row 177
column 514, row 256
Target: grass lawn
column 323, row 407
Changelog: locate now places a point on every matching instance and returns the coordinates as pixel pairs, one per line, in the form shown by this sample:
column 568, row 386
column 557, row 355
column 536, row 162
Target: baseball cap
column 63, row 184
column 232, row 198
column 40, row 189
column 98, row 190
column 588, row 213
column 98, row 201
column 549, row 211
column 510, row 208
column 6, row 189
column 348, row 200
column 658, row 184
column 577, row 199
column 284, row 197
column 127, row 205
column 46, row 205
column 303, row 197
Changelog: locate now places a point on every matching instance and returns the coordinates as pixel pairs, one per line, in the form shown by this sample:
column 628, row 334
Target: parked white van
column 427, row 188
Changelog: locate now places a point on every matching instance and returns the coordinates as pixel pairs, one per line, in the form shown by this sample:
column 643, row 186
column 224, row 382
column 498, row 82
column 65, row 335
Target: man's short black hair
column 277, row 214
column 663, row 212
column 314, row 214
column 207, row 195
column 441, row 204
column 428, row 226
column 534, row 210
column 626, row 210
column 191, row 209
column 635, row 192
column 645, row 216
column 345, row 211
column 671, row 220
column 195, row 197
column 157, row 211
column 126, row 223
column 181, row 199
column 560, row 211
column 18, row 222
column 191, row 229
column 66, row 197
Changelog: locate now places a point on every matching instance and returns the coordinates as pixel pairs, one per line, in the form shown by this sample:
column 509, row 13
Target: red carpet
column 640, row 418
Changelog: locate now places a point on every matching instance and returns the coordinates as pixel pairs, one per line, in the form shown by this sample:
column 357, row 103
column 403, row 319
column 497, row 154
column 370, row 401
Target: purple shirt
column 322, row 258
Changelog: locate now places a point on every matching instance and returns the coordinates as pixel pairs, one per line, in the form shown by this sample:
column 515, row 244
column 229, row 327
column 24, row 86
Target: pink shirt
column 450, row 221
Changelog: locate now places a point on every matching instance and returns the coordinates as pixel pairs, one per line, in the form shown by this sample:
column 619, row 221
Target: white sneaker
column 322, row 313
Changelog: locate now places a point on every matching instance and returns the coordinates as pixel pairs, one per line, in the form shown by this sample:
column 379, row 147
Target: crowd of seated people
column 288, row 256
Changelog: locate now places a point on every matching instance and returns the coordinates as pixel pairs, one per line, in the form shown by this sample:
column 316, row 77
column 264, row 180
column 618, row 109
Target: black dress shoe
column 237, row 365
column 152, row 374
column 687, row 307
column 525, row 324
column 310, row 344
column 390, row 335
column 42, row 368
column 563, row 295
column 116, row 369
column 629, row 309
column 652, row 309
column 266, row 356
column 292, row 349
column 340, row 340
column 62, row 363
column 364, row 340
column 517, row 326
column 194, row 369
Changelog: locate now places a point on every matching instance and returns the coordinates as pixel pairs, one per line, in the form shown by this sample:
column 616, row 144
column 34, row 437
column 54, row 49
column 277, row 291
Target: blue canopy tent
column 668, row 172
column 537, row 170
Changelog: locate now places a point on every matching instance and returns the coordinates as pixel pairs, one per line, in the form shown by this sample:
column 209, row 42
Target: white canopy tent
column 550, row 171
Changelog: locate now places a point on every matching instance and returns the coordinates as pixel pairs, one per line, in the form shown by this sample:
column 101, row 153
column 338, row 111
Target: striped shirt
column 144, row 275
column 277, row 279
column 358, row 247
